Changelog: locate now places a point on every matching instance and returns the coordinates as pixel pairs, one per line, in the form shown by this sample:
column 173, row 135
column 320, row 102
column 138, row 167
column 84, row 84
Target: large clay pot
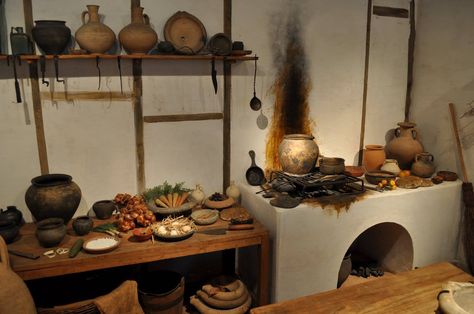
column 51, row 36
column 50, row 232
column 373, row 157
column 53, row 195
column 405, row 145
column 82, row 225
column 94, row 36
column 298, row 153
column 138, row 37
column 14, row 294
column 423, row 165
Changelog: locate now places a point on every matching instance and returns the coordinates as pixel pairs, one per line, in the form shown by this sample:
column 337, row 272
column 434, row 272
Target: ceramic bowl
column 142, row 234
column 374, row 177
column 219, row 204
column 355, row 171
column 205, row 216
column 329, row 165
column 104, row 209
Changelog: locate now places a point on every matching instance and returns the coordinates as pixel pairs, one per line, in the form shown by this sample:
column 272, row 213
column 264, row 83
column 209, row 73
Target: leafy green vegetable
column 164, row 189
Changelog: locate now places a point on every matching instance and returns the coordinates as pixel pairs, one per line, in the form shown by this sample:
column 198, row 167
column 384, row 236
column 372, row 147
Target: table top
column 129, row 251
column 413, row 291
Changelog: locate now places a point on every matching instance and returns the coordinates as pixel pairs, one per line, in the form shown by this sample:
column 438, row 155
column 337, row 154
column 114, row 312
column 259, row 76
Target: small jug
column 391, row 165
column 423, row 165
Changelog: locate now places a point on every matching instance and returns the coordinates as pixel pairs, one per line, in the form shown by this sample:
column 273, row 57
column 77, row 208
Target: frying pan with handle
column 254, row 174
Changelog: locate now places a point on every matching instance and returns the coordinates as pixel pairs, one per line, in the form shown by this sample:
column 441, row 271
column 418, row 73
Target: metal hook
column 56, row 69
column 120, row 73
column 42, row 60
column 98, row 68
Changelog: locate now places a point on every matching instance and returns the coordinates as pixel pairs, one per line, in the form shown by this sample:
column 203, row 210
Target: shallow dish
column 219, row 204
column 142, row 234
column 172, row 238
column 101, row 244
column 410, row 182
column 374, row 177
column 205, row 216
column 185, row 32
column 355, row 171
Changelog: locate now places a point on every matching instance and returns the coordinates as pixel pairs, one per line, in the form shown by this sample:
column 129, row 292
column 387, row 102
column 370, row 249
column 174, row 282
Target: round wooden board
column 233, row 213
column 186, row 32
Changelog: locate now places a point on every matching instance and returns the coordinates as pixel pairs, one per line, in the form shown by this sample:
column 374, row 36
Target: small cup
column 50, row 232
column 82, row 225
column 104, row 209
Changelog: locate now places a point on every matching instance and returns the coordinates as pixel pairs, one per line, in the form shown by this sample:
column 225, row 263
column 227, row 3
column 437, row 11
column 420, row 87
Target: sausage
column 219, row 294
column 204, row 309
column 221, row 304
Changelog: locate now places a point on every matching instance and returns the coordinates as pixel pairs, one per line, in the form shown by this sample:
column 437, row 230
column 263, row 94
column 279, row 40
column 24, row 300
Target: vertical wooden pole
column 35, row 94
column 366, row 78
column 138, row 121
column 227, row 99
column 411, row 57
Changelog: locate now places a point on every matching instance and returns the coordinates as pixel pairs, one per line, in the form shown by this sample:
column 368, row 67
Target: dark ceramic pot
column 51, row 36
column 104, row 209
column 50, row 232
column 82, row 225
column 298, row 153
column 12, row 214
column 53, row 195
column 345, row 270
column 8, row 230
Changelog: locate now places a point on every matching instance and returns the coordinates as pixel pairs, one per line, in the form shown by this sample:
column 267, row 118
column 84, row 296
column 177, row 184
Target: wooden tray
column 186, row 32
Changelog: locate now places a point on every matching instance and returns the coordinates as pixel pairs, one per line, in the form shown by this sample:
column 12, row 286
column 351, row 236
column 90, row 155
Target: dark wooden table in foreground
column 413, row 291
column 130, row 252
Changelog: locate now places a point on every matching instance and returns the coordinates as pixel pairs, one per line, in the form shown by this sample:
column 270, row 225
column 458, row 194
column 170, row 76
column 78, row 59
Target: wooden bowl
column 219, row 204
column 142, row 234
column 374, row 177
column 355, row 171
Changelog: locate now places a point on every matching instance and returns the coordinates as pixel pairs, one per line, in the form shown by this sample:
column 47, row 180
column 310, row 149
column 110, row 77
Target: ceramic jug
column 373, row 157
column 197, row 195
column 138, row 37
column 391, row 165
column 233, row 191
column 423, row 165
column 405, row 145
column 94, row 36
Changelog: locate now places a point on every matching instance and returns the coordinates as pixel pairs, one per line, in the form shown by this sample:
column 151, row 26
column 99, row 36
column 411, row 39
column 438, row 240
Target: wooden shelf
column 145, row 57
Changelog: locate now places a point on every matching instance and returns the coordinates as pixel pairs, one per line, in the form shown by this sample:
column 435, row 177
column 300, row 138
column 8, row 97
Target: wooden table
column 413, row 291
column 130, row 252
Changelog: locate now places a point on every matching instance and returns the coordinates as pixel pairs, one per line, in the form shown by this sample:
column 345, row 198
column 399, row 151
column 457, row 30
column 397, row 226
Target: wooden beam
column 227, row 99
column 184, row 117
column 366, row 79
column 138, row 122
column 411, row 59
column 391, row 12
column 84, row 95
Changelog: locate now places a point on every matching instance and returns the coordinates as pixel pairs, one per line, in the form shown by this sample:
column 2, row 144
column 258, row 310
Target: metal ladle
column 255, row 103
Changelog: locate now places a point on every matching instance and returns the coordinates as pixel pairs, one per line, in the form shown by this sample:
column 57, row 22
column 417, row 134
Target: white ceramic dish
column 101, row 244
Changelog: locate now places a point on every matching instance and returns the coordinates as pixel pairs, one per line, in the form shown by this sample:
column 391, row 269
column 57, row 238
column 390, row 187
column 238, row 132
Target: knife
column 214, row 75
column 220, row 231
column 23, row 254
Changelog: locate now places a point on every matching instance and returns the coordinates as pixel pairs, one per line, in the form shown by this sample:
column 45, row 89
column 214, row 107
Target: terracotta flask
column 374, row 157
column 423, row 165
column 138, row 37
column 405, row 145
column 94, row 36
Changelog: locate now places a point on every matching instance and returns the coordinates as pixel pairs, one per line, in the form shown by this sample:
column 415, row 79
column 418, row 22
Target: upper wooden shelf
column 151, row 57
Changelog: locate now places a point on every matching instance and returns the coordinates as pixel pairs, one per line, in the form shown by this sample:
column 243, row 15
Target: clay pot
column 423, row 165
column 298, row 153
column 345, row 270
column 82, row 225
column 391, row 165
column 12, row 214
column 331, row 165
column 94, row 36
column 51, row 36
column 50, row 232
column 104, row 209
column 373, row 158
column 138, row 37
column 405, row 145
column 53, row 195
column 15, row 296
column 9, row 230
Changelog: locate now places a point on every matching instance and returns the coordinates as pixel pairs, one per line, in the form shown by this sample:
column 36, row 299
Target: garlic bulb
column 197, row 195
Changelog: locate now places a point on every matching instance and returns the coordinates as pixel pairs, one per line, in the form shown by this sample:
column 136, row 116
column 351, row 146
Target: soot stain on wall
column 292, row 84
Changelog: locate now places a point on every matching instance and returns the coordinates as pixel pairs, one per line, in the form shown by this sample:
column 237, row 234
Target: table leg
column 264, row 271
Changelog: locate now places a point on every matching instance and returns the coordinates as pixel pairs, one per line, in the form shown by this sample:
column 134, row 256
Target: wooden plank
column 138, row 122
column 184, row 117
column 411, row 58
column 84, row 95
column 128, row 253
column 147, row 57
column 391, row 12
column 28, row 15
column 366, row 79
column 408, row 292
column 264, row 274
column 227, row 100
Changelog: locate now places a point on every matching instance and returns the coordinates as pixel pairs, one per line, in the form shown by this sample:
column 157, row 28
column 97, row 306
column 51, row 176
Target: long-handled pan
column 468, row 198
column 254, row 174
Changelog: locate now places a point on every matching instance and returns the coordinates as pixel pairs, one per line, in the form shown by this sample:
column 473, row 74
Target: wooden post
column 35, row 93
column 227, row 99
column 411, row 57
column 138, row 121
column 366, row 78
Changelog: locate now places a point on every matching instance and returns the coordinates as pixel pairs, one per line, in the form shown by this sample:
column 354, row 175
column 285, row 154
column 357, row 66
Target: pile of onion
column 133, row 212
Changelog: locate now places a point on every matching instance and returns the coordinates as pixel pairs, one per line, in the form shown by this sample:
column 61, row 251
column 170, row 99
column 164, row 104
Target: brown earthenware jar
column 298, row 153
column 138, row 37
column 423, row 165
column 405, row 145
column 373, row 157
column 51, row 36
column 94, row 36
column 82, row 225
column 50, row 232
